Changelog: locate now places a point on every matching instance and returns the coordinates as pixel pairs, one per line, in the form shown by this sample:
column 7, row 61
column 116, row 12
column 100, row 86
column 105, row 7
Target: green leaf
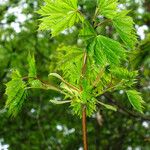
column 60, row 102
column 108, row 106
column 77, row 104
column 16, row 93
column 71, row 70
column 135, row 99
column 68, row 91
column 64, row 81
column 124, row 26
column 15, row 74
column 32, row 73
column 37, row 84
column 123, row 73
column 125, row 77
column 57, row 76
column 107, row 51
column 108, row 8
column 58, row 15
column 87, row 32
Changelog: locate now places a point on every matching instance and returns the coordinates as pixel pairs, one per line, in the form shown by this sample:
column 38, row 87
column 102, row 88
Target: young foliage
column 87, row 32
column 124, row 26
column 89, row 71
column 107, row 51
column 16, row 93
column 122, row 22
column 58, row 15
column 67, row 83
column 135, row 100
column 123, row 73
column 69, row 61
column 108, row 8
column 101, row 51
column 76, row 96
column 77, row 104
column 110, row 107
column 33, row 81
column 128, row 78
column 37, row 84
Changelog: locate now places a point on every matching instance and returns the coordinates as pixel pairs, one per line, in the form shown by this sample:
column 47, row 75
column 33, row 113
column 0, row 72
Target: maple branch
column 45, row 85
column 84, row 127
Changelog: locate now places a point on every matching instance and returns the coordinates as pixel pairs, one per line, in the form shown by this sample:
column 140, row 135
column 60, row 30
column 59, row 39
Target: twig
column 45, row 85
column 102, row 23
column 84, row 128
column 128, row 112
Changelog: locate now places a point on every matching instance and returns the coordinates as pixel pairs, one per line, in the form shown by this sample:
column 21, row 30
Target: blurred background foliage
column 42, row 125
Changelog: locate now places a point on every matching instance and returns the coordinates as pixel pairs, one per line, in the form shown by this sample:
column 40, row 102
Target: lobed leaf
column 16, row 94
column 124, row 26
column 87, row 32
column 32, row 73
column 37, row 84
column 108, row 8
column 135, row 99
column 123, row 73
column 69, row 60
column 107, row 51
column 58, row 15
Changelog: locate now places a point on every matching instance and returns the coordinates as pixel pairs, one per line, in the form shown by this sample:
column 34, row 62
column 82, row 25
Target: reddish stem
column 84, row 128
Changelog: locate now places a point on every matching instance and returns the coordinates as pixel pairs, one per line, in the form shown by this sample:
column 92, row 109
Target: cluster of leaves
column 16, row 91
column 59, row 15
column 121, row 21
column 89, row 72
column 17, row 87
